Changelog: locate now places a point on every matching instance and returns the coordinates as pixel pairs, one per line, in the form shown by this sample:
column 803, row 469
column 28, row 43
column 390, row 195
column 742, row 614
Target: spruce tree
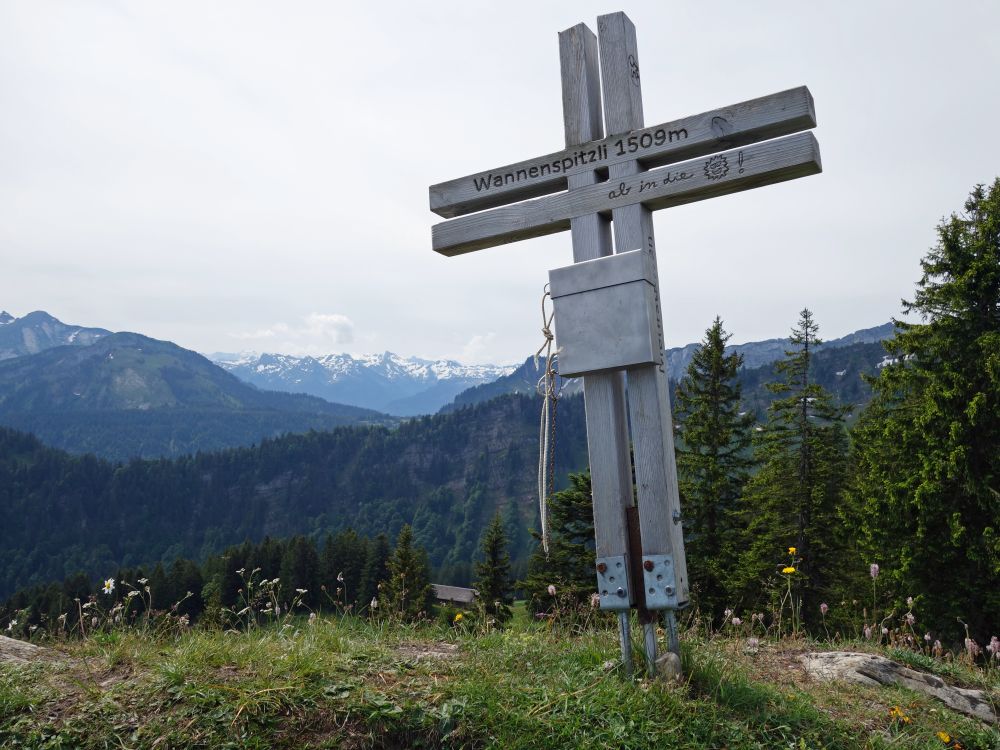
column 493, row 573
column 375, row 572
column 792, row 502
column 713, row 464
column 569, row 566
column 928, row 447
column 408, row 592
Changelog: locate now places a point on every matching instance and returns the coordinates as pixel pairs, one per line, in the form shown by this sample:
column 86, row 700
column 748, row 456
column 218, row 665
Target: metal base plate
column 658, row 579
column 612, row 583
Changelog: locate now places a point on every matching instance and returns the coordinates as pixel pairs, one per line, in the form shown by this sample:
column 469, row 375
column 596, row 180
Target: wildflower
column 910, row 619
column 143, row 581
column 183, row 621
column 868, row 632
column 239, row 572
column 972, row 648
column 873, row 570
column 737, row 621
column 552, row 590
column 595, row 600
column 993, row 647
column 824, row 608
column 109, row 585
column 897, row 714
column 909, row 602
column 458, row 618
column 788, row 570
column 927, row 637
column 753, row 645
column 885, row 631
column 728, row 613
column 792, row 550
column 340, row 577
column 12, row 624
column 32, row 628
column 944, row 736
column 374, row 604
column 301, row 591
column 93, row 621
column 312, row 618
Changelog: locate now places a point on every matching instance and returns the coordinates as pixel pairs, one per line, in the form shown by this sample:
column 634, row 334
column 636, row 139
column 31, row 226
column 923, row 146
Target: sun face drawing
column 717, row 167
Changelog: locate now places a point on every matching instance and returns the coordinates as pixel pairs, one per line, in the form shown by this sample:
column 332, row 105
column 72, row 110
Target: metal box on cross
column 606, row 312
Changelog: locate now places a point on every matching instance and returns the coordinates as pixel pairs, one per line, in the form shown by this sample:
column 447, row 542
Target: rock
column 18, row 652
column 668, row 667
column 869, row 669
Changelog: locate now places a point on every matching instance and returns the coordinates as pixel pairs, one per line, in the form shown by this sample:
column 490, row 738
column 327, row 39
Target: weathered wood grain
column 706, row 177
column 604, row 393
column 760, row 119
column 648, row 393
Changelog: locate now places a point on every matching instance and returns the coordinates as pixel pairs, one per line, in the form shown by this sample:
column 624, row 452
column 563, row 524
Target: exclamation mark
column 741, row 162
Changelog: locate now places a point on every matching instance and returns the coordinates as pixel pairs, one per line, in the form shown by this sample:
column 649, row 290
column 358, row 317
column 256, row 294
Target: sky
column 253, row 175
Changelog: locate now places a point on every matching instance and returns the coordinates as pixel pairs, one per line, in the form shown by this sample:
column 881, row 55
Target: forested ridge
column 446, row 475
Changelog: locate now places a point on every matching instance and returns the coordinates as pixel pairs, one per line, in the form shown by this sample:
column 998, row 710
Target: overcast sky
column 251, row 175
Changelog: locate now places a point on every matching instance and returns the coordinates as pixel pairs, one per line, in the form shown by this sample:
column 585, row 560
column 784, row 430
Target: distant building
column 454, row 594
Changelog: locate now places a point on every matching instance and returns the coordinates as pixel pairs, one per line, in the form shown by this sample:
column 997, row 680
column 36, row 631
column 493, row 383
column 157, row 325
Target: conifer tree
column 493, row 573
column 408, row 592
column 375, row 572
column 713, row 464
column 299, row 571
column 928, row 447
column 569, row 566
column 792, row 502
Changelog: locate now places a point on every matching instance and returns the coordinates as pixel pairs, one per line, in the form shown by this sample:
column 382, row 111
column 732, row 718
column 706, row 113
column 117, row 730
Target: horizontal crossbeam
column 738, row 125
column 685, row 182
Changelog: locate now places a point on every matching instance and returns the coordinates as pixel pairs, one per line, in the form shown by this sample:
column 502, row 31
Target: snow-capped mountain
column 38, row 331
column 404, row 386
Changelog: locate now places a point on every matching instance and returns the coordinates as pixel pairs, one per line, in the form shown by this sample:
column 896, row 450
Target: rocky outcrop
column 869, row 669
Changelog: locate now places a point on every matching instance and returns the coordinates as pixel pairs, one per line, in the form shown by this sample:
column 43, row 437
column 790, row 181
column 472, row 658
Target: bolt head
column 648, row 564
column 621, row 592
column 602, row 567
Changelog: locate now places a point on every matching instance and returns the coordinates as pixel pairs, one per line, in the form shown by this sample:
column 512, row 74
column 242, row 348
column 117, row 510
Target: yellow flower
column 792, row 550
column 458, row 617
column 788, row 571
column 944, row 736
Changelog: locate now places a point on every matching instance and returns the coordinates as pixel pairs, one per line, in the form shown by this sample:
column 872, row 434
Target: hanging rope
column 548, row 389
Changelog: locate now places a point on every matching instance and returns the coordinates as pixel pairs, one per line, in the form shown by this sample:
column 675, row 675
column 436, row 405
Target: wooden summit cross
column 607, row 306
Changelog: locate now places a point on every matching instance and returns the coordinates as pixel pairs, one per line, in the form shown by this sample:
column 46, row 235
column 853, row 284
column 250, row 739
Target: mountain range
column 127, row 395
column 403, row 386
column 38, row 331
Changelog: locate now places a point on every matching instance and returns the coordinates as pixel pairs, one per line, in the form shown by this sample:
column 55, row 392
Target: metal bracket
column 612, row 583
column 659, row 581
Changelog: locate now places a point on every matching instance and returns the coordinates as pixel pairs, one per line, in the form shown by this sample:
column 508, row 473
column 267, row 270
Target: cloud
column 477, row 348
column 315, row 333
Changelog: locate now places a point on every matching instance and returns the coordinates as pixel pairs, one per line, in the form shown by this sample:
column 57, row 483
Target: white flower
column 374, row 604
column 340, row 577
column 301, row 591
column 12, row 624
column 109, row 585
column 552, row 590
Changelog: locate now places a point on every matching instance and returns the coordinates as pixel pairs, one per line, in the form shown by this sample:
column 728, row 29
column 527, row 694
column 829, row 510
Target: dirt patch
column 437, row 651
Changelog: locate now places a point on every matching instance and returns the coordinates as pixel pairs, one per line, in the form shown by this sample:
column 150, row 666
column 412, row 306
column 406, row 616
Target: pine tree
column 928, row 447
column 569, row 566
column 408, row 592
column 713, row 464
column 793, row 500
column 493, row 573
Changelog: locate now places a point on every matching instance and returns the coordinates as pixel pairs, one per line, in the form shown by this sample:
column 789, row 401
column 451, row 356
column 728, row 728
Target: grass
column 348, row 683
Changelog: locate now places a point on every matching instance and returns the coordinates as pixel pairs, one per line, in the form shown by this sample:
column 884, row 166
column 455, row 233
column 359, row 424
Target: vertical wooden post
column 604, row 393
column 664, row 566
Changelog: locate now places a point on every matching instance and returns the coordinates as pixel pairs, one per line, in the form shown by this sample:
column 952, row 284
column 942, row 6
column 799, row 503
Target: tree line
column 893, row 520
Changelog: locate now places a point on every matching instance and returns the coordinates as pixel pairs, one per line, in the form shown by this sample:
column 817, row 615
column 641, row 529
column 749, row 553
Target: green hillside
column 128, row 395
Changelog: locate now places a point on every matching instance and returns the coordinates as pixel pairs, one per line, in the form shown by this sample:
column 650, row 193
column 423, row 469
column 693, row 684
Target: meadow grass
column 352, row 683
